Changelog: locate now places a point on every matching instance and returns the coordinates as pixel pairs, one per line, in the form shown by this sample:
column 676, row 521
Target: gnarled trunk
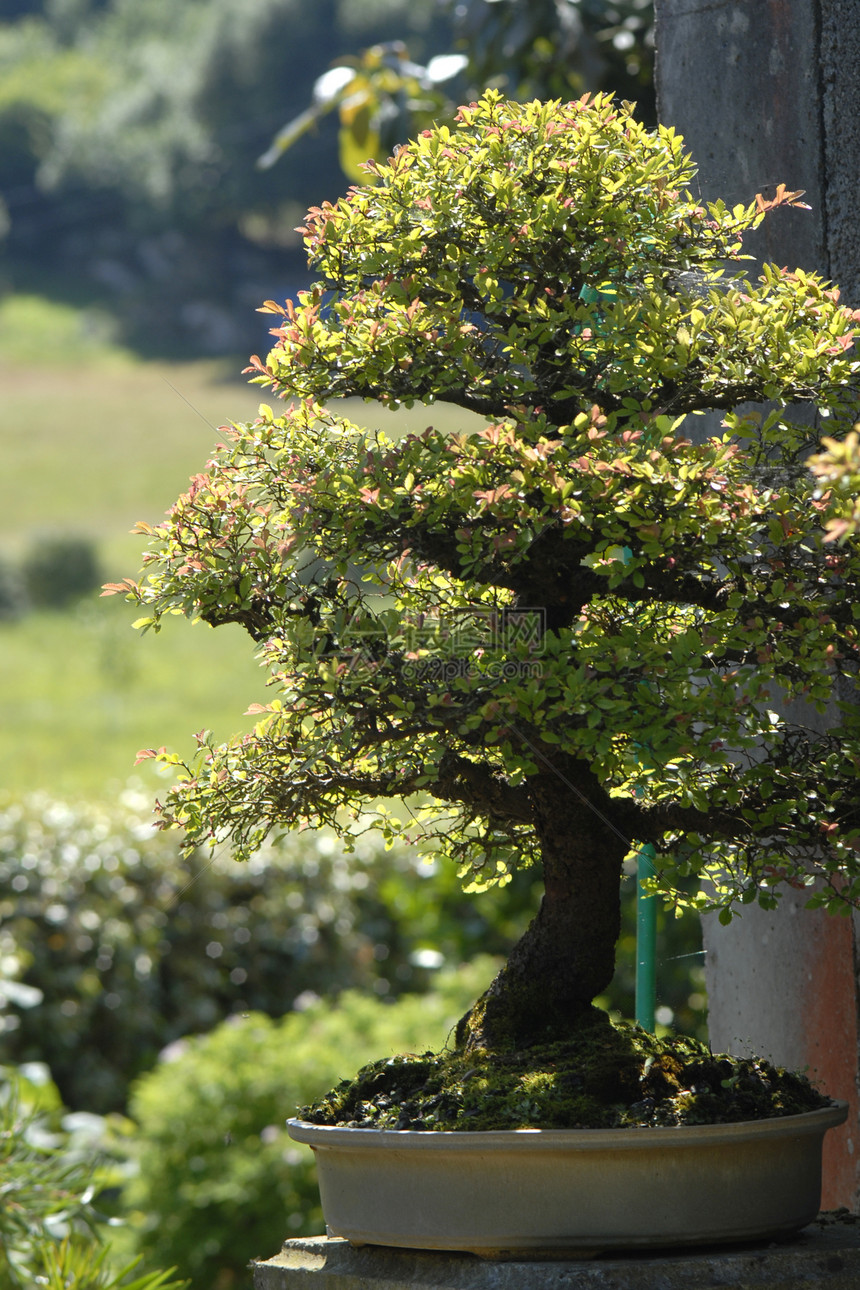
column 567, row 954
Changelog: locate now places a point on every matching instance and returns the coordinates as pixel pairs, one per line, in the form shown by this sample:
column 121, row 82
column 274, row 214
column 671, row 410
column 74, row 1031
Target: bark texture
column 567, row 955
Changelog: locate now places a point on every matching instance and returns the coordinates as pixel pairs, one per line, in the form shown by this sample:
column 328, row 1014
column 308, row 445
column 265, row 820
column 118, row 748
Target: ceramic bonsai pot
column 540, row 1193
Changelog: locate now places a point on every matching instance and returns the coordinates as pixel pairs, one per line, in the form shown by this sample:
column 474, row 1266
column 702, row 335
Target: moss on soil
column 606, row 1075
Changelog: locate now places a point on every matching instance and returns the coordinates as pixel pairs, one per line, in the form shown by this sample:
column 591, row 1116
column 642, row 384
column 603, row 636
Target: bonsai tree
column 574, row 623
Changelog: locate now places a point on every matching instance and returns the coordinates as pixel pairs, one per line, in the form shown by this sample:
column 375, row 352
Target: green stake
column 646, row 941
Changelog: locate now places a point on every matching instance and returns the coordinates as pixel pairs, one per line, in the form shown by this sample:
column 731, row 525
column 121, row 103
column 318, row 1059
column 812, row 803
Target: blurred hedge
column 220, row 1182
column 112, row 946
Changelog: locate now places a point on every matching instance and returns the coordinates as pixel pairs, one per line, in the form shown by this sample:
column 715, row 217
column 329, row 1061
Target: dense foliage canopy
column 583, row 623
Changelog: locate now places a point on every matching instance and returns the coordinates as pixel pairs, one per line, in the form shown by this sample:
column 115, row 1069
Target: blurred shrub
column 42, row 1192
column 47, row 1220
column 59, row 570
column 13, row 598
column 112, row 946
column 76, row 1264
column 220, row 1182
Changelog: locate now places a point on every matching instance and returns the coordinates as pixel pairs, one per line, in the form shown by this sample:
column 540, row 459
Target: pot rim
column 633, row 1136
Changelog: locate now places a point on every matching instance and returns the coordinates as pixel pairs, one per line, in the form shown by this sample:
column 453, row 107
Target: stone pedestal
column 826, row 1254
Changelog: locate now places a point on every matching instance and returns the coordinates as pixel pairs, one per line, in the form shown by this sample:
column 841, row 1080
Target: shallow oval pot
column 562, row 1192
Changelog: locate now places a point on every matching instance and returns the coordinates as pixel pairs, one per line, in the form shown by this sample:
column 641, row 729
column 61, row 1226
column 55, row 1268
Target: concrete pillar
column 782, row 986
column 767, row 92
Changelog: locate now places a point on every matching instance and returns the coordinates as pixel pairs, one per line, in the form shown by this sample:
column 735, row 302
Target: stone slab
column 825, row 1254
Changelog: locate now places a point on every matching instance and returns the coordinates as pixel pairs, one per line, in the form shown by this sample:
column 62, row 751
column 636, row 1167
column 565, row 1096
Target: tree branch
column 476, row 785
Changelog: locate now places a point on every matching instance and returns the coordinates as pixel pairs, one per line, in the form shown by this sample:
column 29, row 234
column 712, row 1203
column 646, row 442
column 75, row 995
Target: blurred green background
column 165, row 1015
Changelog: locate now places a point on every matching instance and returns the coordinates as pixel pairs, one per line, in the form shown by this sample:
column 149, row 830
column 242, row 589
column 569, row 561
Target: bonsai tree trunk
column 567, row 955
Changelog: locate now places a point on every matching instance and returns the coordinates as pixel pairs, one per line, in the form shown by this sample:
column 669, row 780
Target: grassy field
column 95, row 440
column 81, row 693
column 92, row 440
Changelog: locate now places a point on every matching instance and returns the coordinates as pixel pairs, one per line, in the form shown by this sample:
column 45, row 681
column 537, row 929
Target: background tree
column 551, row 49
column 129, row 132
column 553, row 636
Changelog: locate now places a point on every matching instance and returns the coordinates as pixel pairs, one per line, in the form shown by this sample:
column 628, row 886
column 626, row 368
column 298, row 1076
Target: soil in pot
column 605, row 1075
